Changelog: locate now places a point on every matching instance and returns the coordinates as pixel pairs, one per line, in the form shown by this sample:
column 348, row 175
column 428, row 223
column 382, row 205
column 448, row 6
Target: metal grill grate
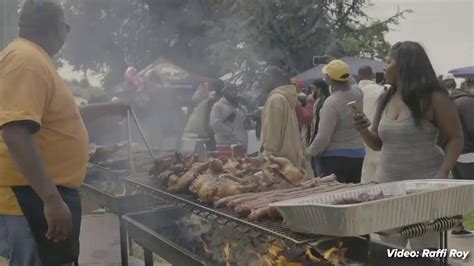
column 223, row 216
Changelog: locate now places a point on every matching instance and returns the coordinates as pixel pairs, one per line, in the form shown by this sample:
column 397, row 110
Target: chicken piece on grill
column 163, row 177
column 161, row 164
column 190, row 160
column 216, row 166
column 231, row 167
column 208, row 189
column 178, row 168
column 182, row 184
column 254, row 162
column 291, row 172
column 246, row 172
column 261, row 180
column 232, row 177
column 197, row 184
column 172, row 180
column 228, row 187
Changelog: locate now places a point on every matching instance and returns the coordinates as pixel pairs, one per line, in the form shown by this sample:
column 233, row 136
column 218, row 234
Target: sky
column 443, row 27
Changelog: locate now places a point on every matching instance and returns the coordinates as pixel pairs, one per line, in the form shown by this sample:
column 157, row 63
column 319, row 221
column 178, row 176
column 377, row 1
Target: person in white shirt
column 372, row 92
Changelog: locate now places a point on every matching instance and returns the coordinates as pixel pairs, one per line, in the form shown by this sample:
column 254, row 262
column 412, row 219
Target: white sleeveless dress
column 408, row 152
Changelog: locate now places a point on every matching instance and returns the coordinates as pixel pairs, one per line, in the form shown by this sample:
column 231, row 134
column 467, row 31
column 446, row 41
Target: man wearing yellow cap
column 337, row 142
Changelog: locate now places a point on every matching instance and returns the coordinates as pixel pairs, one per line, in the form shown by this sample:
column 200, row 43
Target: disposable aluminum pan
column 415, row 201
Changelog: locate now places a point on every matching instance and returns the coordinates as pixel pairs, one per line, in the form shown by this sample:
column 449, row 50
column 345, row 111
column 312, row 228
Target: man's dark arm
column 24, row 150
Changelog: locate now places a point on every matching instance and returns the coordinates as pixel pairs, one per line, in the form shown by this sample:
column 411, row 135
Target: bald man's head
column 43, row 22
column 366, row 73
column 274, row 77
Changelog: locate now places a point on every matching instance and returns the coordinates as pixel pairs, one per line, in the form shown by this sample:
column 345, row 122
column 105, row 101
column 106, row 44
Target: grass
column 469, row 221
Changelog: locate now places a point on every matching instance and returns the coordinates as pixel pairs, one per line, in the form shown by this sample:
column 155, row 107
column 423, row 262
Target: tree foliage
column 82, row 88
column 215, row 37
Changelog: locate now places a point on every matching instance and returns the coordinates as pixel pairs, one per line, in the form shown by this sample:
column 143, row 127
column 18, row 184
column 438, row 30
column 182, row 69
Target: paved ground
column 100, row 243
column 466, row 244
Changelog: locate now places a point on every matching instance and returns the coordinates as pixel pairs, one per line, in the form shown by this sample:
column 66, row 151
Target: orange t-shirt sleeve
column 23, row 96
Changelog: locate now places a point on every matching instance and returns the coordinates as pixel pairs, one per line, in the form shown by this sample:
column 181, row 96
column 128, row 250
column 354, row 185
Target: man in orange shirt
column 43, row 145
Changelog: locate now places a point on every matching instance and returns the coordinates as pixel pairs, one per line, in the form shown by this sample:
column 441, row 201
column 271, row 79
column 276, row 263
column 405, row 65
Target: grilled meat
column 290, row 171
column 182, row 184
column 190, row 160
column 163, row 178
column 227, row 188
column 161, row 164
column 216, row 166
column 364, row 197
column 197, row 184
column 231, row 166
column 208, row 189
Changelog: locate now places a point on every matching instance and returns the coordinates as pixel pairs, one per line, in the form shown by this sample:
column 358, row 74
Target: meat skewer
column 254, row 196
column 293, row 194
column 265, row 211
column 246, row 208
column 328, row 179
column 222, row 202
column 315, row 181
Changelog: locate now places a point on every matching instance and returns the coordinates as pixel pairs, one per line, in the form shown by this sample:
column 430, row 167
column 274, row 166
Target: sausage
column 268, row 212
column 281, row 192
column 249, row 196
column 262, row 210
column 290, row 195
column 231, row 201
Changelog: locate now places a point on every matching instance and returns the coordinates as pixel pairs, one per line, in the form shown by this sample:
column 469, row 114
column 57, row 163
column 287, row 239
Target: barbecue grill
column 127, row 201
column 151, row 235
column 146, row 227
column 156, row 231
column 274, row 228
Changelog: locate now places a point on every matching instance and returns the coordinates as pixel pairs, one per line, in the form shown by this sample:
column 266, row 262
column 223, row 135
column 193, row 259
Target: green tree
column 82, row 88
column 215, row 37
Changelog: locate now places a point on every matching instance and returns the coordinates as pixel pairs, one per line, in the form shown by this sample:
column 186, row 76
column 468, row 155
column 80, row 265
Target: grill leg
column 369, row 253
column 443, row 242
column 148, row 257
column 123, row 242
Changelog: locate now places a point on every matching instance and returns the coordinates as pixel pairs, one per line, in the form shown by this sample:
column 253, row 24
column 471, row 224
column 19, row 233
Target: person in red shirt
column 304, row 112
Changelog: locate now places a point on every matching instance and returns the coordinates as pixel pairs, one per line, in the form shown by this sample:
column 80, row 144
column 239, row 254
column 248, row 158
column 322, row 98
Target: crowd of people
column 414, row 126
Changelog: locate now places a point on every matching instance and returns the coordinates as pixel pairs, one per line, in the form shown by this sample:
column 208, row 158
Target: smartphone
column 353, row 106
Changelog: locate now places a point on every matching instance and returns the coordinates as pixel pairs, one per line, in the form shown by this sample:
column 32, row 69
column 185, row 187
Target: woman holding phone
column 408, row 119
column 407, row 122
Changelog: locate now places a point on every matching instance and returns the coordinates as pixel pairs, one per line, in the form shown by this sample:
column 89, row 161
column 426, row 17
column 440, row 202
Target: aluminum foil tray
column 415, row 201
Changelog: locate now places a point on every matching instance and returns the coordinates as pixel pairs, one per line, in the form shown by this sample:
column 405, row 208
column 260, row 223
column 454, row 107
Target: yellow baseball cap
column 337, row 70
